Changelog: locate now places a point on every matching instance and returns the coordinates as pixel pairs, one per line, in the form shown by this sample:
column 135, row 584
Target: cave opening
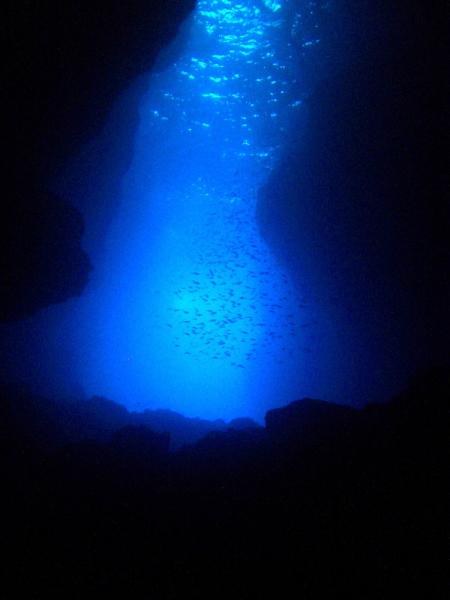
column 199, row 316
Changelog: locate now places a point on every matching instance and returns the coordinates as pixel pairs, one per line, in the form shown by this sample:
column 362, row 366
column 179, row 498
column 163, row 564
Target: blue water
column 190, row 309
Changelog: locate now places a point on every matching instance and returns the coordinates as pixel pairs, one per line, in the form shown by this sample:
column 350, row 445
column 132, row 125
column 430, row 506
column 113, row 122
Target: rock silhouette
column 324, row 499
column 65, row 69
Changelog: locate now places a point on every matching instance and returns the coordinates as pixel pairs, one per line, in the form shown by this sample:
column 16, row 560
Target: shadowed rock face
column 57, row 422
column 246, row 508
column 356, row 208
column 42, row 261
column 141, row 443
column 66, row 65
column 309, row 421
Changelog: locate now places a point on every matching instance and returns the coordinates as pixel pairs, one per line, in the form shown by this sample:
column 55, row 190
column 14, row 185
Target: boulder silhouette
column 310, row 421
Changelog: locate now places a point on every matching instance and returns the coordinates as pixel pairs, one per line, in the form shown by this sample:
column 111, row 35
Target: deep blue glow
column 193, row 311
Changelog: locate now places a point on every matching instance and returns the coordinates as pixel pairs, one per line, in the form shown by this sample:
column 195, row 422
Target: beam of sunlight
column 197, row 315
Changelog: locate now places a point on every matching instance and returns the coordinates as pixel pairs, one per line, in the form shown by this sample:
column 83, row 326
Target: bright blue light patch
column 194, row 312
column 275, row 6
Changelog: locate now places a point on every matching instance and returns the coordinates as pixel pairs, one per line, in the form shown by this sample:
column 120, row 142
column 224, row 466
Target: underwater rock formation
column 310, row 421
column 66, row 65
column 356, row 208
column 77, row 420
column 42, row 261
column 364, row 514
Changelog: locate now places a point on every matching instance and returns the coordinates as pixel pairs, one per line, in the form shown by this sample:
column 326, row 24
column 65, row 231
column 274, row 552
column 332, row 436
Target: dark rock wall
column 356, row 208
column 67, row 63
column 325, row 501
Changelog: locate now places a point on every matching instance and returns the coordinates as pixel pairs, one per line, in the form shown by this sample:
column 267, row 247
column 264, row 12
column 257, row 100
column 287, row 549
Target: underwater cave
column 190, row 309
